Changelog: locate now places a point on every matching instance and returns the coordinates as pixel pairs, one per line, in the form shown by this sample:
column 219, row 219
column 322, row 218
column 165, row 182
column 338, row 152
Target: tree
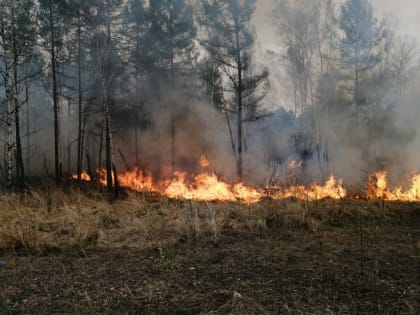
column 404, row 63
column 53, row 18
column 17, row 38
column 299, row 28
column 82, row 22
column 231, row 40
column 135, row 29
column 108, row 63
column 170, row 41
column 307, row 31
column 360, row 45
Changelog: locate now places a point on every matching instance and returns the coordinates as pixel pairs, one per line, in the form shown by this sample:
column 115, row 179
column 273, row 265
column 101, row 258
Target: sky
column 406, row 13
column 403, row 14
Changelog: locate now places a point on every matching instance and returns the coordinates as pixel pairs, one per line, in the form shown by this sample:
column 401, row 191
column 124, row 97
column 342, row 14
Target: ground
column 329, row 257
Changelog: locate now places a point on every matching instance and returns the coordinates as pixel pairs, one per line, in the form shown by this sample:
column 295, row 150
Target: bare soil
column 348, row 264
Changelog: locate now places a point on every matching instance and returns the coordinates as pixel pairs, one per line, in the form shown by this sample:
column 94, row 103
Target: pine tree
column 109, row 66
column 135, row 30
column 53, row 19
column 82, row 24
column 231, row 41
column 361, row 44
column 170, row 41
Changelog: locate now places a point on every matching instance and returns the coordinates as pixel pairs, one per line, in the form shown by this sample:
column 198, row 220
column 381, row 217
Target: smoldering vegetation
column 156, row 85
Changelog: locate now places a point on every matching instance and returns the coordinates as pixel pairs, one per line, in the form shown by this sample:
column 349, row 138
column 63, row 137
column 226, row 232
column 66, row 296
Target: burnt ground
column 345, row 266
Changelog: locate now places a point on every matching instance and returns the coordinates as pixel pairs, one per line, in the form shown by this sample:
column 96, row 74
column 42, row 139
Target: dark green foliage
column 361, row 44
column 226, row 20
column 230, row 43
column 169, row 40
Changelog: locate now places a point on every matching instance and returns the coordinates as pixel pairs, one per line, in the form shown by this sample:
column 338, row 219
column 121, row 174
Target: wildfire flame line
column 378, row 188
column 208, row 187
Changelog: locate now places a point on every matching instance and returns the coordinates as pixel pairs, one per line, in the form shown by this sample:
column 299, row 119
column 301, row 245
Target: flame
column 209, row 187
column 333, row 189
column 203, row 162
column 293, row 165
column 378, row 188
column 84, row 176
column 204, row 187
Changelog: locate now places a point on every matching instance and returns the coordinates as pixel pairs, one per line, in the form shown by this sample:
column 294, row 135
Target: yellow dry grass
column 58, row 219
column 42, row 220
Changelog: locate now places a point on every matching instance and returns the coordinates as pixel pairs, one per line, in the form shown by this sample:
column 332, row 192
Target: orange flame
column 209, row 187
column 203, row 162
column 378, row 188
column 293, row 165
column 84, row 176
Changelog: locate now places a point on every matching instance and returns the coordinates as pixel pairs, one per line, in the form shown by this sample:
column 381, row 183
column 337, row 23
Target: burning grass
column 207, row 186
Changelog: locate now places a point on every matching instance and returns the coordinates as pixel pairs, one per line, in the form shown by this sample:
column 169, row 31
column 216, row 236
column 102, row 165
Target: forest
column 114, row 85
column 209, row 157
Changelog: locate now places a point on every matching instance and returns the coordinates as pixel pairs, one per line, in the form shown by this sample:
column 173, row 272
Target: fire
column 332, row 189
column 84, row 176
column 137, row 180
column 209, row 187
column 204, row 187
column 203, row 162
column 378, row 188
column 293, row 165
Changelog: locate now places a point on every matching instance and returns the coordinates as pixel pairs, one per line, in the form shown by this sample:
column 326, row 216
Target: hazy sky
column 406, row 13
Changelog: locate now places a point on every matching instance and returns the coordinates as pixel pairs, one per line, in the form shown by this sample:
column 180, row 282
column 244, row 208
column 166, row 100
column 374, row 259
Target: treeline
column 93, row 65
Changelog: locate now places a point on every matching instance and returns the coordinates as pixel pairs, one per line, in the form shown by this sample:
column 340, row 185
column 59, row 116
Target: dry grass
column 58, row 219
column 150, row 255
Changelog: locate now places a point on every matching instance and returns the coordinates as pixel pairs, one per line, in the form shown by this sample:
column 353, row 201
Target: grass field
column 73, row 252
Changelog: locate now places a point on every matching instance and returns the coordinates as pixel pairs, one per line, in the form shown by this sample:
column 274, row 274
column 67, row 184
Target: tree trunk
column 240, row 104
column 108, row 162
column 57, row 141
column 172, row 70
column 80, row 102
column 68, row 140
column 20, row 175
column 9, row 130
column 111, row 170
column 28, row 132
column 101, row 145
column 136, row 139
